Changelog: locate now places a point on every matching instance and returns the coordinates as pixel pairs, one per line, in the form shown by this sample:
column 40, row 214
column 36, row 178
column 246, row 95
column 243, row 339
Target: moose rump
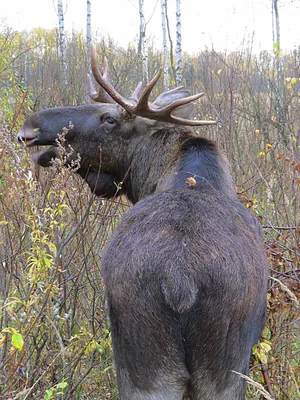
column 184, row 289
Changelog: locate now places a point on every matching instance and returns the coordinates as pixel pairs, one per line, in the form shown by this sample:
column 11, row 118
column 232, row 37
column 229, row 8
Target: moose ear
column 169, row 97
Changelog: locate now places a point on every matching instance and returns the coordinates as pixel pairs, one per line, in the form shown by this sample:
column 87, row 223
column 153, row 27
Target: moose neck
column 164, row 160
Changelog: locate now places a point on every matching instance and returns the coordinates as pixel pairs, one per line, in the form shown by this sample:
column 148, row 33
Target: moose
column 185, row 271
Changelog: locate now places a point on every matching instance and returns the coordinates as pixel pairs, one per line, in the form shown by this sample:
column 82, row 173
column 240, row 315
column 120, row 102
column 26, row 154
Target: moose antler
column 138, row 104
column 102, row 96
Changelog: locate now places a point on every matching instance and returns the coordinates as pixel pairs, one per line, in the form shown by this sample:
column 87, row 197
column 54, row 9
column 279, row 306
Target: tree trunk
column 173, row 71
column 165, row 46
column 62, row 39
column 280, row 89
column 142, row 42
column 88, row 34
column 178, row 44
column 276, row 39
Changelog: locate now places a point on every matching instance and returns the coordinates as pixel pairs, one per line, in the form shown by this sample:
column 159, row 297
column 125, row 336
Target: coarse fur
column 185, row 271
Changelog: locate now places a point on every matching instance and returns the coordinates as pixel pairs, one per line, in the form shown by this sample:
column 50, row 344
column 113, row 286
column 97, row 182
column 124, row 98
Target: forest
column 54, row 331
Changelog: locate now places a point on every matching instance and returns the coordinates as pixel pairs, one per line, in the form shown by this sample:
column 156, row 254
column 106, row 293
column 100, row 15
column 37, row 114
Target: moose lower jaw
column 101, row 183
column 45, row 158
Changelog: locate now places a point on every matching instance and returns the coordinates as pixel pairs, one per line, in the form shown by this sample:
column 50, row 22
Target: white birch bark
column 62, row 39
column 143, row 45
column 276, row 38
column 178, row 44
column 278, row 58
column 88, row 33
column 165, row 46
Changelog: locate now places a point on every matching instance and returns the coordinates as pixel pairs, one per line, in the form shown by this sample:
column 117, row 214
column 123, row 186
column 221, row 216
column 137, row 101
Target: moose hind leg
column 202, row 389
column 149, row 356
column 161, row 389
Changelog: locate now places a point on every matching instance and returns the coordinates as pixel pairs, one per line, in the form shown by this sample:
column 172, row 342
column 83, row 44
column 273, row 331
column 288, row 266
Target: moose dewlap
column 185, row 271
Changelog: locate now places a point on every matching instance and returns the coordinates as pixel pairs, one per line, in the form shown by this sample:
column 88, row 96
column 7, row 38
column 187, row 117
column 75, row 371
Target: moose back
column 185, row 271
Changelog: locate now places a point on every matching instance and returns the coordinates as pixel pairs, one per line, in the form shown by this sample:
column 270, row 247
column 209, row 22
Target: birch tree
column 88, row 34
column 143, row 51
column 62, row 38
column 178, row 44
column 276, row 37
column 278, row 65
column 165, row 46
column 171, row 63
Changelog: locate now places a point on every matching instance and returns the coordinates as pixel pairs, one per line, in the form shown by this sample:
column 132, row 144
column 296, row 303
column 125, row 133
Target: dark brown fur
column 185, row 271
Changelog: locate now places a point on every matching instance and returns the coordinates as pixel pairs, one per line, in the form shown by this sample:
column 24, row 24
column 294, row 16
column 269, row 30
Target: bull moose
column 185, row 271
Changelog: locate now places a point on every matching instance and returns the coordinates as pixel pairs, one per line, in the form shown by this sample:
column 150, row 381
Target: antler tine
column 105, row 84
column 164, row 114
column 105, row 70
column 101, row 96
column 137, row 92
column 143, row 101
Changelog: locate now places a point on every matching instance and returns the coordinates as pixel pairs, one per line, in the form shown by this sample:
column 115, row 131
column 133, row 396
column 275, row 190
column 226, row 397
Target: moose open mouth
column 42, row 157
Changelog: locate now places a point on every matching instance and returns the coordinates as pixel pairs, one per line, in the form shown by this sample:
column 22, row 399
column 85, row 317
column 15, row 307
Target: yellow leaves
column 190, row 181
column 269, row 148
column 278, row 54
column 2, row 339
column 289, row 82
column 261, row 350
column 92, row 346
column 276, row 49
column 39, row 264
column 17, row 341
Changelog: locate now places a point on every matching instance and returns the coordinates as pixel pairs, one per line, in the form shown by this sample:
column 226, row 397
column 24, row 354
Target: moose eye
column 109, row 120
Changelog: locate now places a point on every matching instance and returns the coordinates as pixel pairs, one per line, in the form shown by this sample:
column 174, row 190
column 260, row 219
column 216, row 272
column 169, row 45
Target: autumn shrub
column 54, row 335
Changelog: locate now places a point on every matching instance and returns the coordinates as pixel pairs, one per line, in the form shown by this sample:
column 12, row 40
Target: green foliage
column 55, row 391
column 17, row 341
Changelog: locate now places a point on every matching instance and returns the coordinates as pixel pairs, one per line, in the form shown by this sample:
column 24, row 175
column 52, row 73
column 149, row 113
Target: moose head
column 185, row 272
column 111, row 135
